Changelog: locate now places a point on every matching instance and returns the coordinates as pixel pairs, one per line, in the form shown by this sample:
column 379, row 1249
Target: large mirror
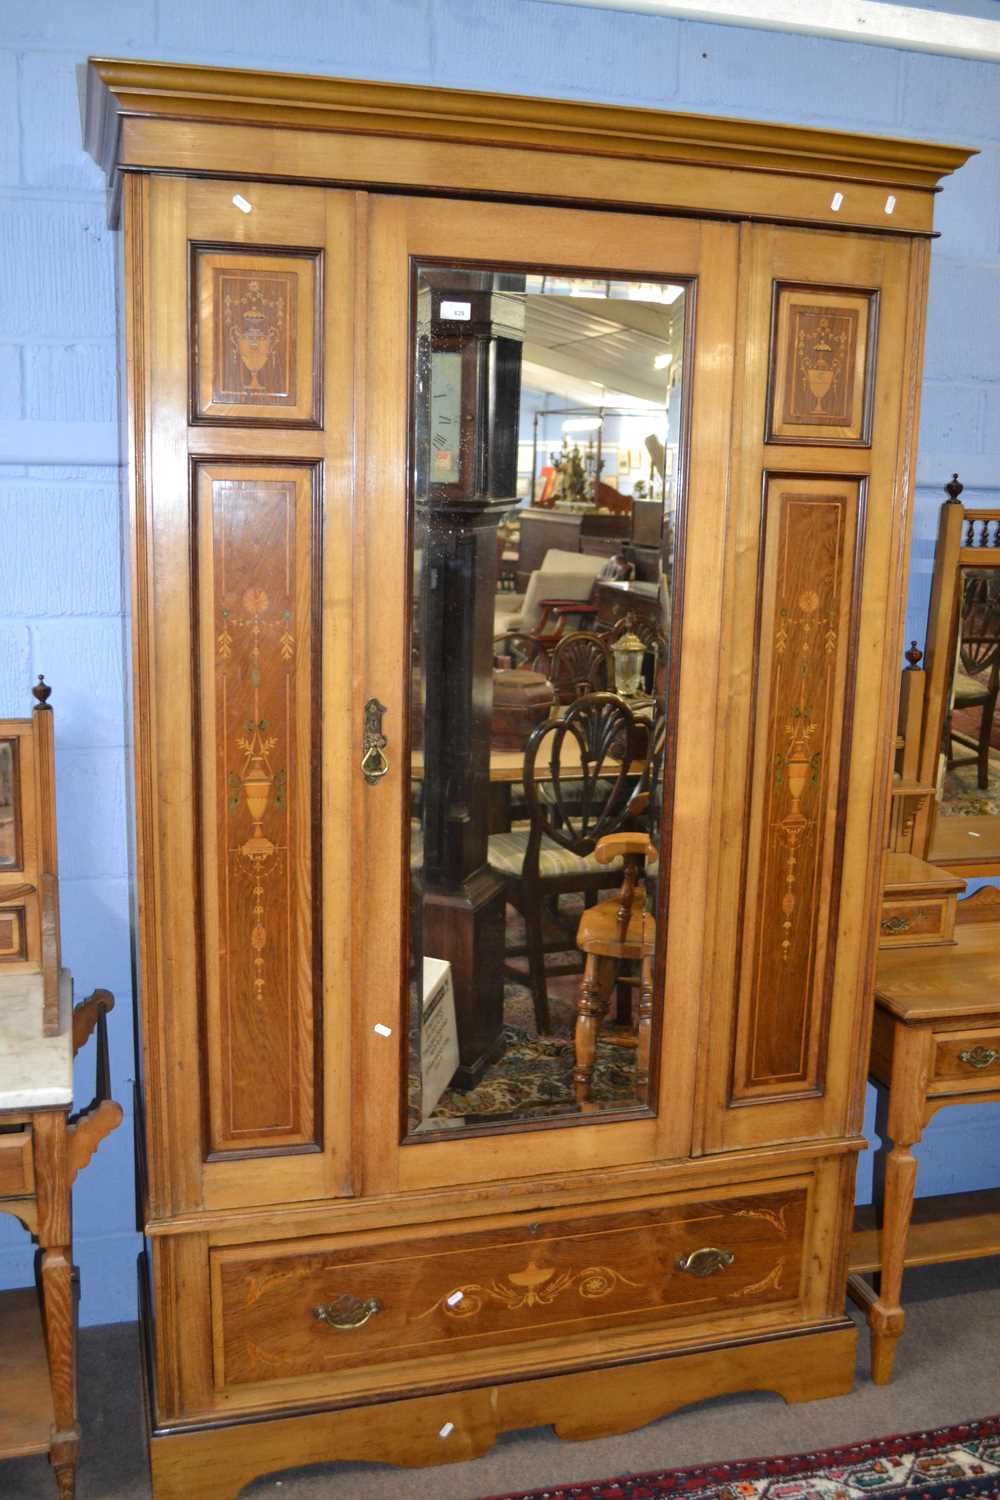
column 963, row 711
column 548, row 453
column 10, row 855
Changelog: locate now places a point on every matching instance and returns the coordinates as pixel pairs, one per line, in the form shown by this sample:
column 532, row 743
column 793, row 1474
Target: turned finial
column 42, row 692
column 953, row 489
column 914, row 654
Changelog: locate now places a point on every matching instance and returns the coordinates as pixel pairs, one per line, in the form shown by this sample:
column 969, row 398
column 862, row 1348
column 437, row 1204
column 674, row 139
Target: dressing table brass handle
column 980, row 1057
column 705, row 1262
column 347, row 1311
column 374, row 763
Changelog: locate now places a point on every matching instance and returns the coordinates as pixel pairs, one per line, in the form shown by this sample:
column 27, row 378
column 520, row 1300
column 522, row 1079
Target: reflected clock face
column 446, row 416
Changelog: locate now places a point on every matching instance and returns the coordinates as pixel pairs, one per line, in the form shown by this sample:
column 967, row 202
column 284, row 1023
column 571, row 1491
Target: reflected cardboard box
column 439, row 1035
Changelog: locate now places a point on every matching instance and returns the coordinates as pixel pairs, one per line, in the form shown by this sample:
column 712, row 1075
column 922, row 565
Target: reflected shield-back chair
column 580, row 663
column 580, row 774
column 977, row 678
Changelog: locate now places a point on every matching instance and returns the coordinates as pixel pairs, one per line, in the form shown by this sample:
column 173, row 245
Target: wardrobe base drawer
column 306, row 1308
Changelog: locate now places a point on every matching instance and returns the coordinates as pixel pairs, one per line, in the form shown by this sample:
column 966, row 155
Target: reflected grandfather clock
column 469, row 337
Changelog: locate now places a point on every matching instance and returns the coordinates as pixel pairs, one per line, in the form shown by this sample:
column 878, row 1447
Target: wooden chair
column 570, row 808
column 977, row 680
column 613, row 932
column 581, row 663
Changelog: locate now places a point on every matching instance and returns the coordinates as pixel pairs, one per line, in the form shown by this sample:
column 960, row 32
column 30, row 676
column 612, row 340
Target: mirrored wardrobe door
column 535, row 384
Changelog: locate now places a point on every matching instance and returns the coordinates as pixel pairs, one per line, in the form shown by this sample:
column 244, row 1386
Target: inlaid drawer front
column 16, row 1175
column 281, row 1312
column 911, row 923
column 971, row 1058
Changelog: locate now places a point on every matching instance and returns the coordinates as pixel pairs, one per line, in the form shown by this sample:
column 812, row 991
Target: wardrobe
column 335, row 295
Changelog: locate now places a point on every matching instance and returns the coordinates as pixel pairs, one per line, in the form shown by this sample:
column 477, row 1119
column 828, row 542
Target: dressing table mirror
column 959, row 827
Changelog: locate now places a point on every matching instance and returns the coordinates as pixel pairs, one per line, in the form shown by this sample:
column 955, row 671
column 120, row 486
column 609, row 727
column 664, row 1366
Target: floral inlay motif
column 797, row 763
column 256, row 325
column 820, row 383
column 535, row 1286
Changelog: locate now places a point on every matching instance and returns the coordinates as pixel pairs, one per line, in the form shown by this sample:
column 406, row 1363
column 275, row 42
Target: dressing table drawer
column 314, row 1307
column 966, row 1061
column 17, row 1177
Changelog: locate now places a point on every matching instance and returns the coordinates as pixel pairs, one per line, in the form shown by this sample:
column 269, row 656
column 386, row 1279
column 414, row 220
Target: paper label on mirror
column 456, row 312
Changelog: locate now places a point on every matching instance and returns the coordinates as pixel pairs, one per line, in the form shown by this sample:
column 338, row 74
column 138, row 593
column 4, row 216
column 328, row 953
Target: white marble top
column 35, row 1070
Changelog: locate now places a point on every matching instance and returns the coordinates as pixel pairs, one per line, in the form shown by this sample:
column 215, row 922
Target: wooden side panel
column 810, row 546
column 258, row 732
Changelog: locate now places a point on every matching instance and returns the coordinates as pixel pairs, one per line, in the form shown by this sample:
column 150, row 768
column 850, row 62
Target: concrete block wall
column 60, row 600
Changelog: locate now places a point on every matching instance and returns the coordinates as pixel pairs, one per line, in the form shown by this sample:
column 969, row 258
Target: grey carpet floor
column 947, row 1370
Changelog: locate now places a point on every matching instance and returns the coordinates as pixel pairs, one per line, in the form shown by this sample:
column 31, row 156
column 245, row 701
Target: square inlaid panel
column 822, row 366
column 255, row 338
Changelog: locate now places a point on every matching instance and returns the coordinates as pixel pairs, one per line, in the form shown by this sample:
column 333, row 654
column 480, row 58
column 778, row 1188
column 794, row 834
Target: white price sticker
column 456, row 312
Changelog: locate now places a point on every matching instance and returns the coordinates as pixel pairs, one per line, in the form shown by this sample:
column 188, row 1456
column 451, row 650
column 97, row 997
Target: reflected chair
column 977, row 679
column 579, row 779
column 616, row 931
column 580, row 663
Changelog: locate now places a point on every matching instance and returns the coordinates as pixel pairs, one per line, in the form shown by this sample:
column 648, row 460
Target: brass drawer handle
column 347, row 1311
column 980, row 1057
column 892, row 925
column 374, row 762
column 705, row 1262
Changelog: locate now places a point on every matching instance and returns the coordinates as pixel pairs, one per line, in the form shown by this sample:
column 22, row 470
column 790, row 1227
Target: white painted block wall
column 60, row 600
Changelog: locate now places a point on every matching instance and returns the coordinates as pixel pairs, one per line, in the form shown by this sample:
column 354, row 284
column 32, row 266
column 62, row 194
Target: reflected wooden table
column 936, row 1042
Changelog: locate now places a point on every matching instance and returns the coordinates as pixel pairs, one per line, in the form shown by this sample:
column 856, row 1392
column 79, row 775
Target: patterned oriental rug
column 947, row 1464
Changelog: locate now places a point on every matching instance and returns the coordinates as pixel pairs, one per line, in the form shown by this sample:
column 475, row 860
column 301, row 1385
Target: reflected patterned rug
column 535, row 1075
column 948, row 1464
column 961, row 795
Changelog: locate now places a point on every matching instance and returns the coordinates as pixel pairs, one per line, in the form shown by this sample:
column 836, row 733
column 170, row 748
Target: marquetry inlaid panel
column 13, row 936
column 552, row 1278
column 258, row 739
column 254, row 338
column 822, row 361
column 801, row 717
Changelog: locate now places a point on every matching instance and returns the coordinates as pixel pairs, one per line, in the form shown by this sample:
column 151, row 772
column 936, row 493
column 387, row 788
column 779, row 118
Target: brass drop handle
column 980, row 1057
column 705, row 1262
column 374, row 762
column 347, row 1312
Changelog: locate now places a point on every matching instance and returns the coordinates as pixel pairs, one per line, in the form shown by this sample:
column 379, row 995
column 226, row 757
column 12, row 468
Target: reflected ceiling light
column 581, row 424
column 661, row 361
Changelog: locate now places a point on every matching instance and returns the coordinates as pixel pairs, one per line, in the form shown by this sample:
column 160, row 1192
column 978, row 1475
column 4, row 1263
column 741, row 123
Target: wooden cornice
column 121, row 89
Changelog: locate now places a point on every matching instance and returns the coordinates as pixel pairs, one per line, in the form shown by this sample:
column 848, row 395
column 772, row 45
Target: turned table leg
column 58, row 1293
column 903, row 1127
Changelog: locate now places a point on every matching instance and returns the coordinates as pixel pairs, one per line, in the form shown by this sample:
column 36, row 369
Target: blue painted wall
column 60, row 603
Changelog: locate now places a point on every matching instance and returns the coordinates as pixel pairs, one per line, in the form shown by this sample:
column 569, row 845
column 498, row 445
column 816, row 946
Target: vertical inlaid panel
column 254, row 337
column 258, row 607
column 822, row 365
column 801, row 711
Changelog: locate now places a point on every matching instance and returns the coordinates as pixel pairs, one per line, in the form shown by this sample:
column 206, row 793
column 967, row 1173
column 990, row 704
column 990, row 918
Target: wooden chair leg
column 591, row 1008
column 533, row 938
column 645, row 1030
column 983, row 755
